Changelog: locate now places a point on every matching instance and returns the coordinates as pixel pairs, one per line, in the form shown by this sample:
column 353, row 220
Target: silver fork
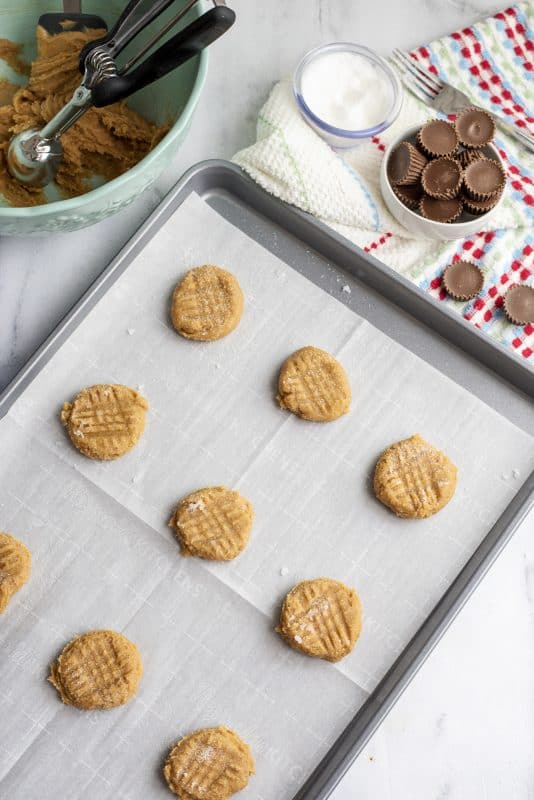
column 444, row 97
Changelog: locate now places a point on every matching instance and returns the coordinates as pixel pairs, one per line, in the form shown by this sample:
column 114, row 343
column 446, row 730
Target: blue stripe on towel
column 366, row 193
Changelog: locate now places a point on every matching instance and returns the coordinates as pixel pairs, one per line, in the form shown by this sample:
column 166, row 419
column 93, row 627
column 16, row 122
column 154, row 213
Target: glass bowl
column 340, row 137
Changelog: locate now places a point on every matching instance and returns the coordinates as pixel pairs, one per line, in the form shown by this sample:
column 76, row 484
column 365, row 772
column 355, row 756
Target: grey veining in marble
column 464, row 728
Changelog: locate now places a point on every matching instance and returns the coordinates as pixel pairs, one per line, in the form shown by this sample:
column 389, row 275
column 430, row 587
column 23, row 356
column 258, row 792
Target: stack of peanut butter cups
column 447, row 169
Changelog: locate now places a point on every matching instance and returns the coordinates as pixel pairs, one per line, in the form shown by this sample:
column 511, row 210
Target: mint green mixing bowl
column 172, row 100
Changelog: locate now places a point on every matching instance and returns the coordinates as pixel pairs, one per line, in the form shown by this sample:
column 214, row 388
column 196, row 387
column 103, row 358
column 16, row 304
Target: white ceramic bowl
column 412, row 221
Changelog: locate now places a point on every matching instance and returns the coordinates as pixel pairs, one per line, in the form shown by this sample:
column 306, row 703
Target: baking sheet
column 103, row 556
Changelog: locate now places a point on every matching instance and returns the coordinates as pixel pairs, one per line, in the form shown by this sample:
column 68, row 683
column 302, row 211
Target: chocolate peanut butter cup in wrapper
column 405, row 164
column 484, row 178
column 463, row 280
column 438, row 138
column 410, row 194
column 478, row 207
column 440, row 210
column 466, row 157
column 442, row 178
column 519, row 304
column 475, row 127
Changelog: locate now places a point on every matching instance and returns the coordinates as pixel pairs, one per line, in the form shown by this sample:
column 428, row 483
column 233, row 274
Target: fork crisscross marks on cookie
column 414, row 479
column 15, row 561
column 210, row 764
column 98, row 670
column 210, row 302
column 207, row 304
column 321, row 618
column 106, row 420
column 314, row 385
column 213, row 523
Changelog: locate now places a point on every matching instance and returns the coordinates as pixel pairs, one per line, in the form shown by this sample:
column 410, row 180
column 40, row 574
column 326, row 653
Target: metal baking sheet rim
column 221, row 174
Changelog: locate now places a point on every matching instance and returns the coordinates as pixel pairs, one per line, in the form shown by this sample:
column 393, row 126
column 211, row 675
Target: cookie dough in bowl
column 167, row 105
column 105, row 142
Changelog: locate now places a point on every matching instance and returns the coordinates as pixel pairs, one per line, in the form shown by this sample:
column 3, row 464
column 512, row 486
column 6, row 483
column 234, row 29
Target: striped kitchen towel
column 493, row 63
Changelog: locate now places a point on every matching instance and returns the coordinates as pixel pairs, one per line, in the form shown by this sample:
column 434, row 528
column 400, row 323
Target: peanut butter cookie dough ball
column 105, row 421
column 210, row 764
column 313, row 385
column 414, row 479
column 15, row 563
column 213, row 523
column 98, row 670
column 321, row 618
column 207, row 304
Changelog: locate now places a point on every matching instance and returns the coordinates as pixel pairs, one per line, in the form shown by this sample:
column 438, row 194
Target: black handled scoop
column 34, row 156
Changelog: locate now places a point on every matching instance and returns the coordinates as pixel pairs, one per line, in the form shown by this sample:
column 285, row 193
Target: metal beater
column 34, row 156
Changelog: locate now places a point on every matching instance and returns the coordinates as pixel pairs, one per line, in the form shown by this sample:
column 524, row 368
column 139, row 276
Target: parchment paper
column 103, row 556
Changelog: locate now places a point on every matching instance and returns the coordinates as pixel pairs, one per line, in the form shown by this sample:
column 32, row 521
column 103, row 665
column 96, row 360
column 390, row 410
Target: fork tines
column 438, row 94
column 418, row 78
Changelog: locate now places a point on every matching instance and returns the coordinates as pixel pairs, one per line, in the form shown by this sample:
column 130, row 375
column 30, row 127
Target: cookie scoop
column 34, row 156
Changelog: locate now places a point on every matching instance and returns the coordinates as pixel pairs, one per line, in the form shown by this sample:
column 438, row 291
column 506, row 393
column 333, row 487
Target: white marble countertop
column 464, row 728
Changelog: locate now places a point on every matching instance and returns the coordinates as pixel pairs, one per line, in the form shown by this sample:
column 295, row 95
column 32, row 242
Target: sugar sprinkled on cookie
column 207, row 304
column 98, row 670
column 314, row 386
column 414, row 479
column 209, row 764
column 15, row 563
column 213, row 523
column 321, row 618
column 105, row 421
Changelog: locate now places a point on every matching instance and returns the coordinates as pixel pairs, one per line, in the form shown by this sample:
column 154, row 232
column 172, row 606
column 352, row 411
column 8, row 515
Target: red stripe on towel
column 375, row 245
column 515, row 31
column 489, row 81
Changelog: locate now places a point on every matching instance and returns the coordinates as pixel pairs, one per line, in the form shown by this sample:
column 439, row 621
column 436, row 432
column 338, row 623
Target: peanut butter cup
column 463, row 280
column 442, row 178
column 478, row 207
column 475, row 127
column 438, row 138
column 519, row 304
column 466, row 157
column 484, row 178
column 410, row 194
column 440, row 210
column 405, row 164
